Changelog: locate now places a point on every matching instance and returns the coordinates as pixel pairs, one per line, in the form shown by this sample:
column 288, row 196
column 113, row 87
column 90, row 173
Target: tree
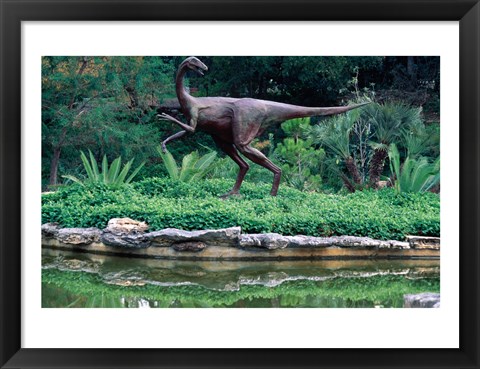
column 387, row 121
column 358, row 142
column 301, row 80
column 301, row 163
column 101, row 103
column 336, row 135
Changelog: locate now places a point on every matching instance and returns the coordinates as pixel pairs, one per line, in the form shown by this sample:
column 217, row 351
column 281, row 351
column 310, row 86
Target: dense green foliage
column 101, row 104
column 88, row 290
column 164, row 203
column 357, row 142
column 300, row 161
column 109, row 105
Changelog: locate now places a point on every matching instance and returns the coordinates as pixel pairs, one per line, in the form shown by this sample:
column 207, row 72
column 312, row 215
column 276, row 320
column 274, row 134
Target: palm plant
column 387, row 121
column 419, row 141
column 112, row 174
column 193, row 166
column 414, row 175
column 335, row 136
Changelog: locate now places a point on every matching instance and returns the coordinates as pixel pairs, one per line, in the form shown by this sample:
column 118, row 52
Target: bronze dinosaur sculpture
column 233, row 123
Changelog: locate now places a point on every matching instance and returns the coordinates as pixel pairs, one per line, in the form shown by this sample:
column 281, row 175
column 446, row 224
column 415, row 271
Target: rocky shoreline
column 125, row 236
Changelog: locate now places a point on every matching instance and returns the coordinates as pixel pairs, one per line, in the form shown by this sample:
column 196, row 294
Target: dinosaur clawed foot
column 230, row 194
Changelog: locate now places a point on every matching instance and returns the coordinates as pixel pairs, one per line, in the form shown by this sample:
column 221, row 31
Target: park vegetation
column 373, row 171
column 166, row 203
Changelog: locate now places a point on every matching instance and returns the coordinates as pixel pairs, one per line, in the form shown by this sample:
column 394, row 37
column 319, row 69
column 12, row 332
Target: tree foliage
column 100, row 103
column 109, row 105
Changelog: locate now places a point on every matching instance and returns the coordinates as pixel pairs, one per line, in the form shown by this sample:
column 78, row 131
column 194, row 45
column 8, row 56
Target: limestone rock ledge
column 422, row 300
column 128, row 234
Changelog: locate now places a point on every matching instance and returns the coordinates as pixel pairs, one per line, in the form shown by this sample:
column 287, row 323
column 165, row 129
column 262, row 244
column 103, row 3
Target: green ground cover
column 164, row 203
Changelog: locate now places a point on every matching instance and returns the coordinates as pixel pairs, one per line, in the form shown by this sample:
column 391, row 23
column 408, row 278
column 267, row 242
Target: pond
column 80, row 280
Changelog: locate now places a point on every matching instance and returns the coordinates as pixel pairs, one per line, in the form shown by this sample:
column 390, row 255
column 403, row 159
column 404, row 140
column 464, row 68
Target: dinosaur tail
column 282, row 112
column 336, row 109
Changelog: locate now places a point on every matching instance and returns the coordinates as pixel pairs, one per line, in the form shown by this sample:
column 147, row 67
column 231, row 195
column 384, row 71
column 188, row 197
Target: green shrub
column 164, row 203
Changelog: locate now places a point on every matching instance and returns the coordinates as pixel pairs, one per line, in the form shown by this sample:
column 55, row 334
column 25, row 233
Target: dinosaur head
column 194, row 64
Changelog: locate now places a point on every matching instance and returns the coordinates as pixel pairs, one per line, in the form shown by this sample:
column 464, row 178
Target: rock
column 138, row 241
column 125, row 226
column 50, row 230
column 194, row 246
column 362, row 242
column 422, row 300
column 423, row 242
column 215, row 237
column 78, row 236
column 125, row 232
column 276, row 241
column 344, row 241
column 126, row 283
column 270, row 241
column 308, row 241
column 382, row 184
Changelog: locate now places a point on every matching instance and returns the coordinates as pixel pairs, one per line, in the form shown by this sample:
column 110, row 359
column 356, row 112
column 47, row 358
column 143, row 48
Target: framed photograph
column 433, row 45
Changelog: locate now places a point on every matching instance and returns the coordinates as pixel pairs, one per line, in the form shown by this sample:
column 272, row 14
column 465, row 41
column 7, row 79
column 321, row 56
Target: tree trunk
column 353, row 170
column 350, row 187
column 54, row 166
column 376, row 166
column 412, row 70
column 132, row 94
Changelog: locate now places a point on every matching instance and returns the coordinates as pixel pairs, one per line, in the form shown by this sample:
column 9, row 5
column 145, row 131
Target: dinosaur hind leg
column 260, row 159
column 232, row 152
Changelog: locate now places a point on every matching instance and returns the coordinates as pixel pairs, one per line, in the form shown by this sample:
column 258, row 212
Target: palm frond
column 415, row 175
column 114, row 170
column 87, row 166
column 109, row 175
column 169, row 162
column 135, row 172
column 74, row 179
column 94, row 167
column 123, row 174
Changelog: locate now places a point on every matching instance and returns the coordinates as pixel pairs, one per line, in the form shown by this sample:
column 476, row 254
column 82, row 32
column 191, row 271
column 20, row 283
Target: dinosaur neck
column 183, row 96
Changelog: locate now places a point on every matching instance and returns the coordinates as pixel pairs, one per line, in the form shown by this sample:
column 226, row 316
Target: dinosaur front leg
column 171, row 138
column 186, row 127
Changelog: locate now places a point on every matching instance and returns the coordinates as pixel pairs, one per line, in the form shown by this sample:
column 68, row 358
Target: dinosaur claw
column 230, row 194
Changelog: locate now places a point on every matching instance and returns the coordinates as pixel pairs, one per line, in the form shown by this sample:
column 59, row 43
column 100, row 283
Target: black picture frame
column 467, row 12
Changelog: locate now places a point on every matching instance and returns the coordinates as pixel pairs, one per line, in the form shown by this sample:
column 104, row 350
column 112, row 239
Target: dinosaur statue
column 233, row 123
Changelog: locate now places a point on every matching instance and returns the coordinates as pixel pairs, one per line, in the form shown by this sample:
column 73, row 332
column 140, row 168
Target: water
column 77, row 280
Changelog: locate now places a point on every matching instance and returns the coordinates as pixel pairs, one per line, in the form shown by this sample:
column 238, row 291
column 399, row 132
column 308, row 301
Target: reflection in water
column 87, row 281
